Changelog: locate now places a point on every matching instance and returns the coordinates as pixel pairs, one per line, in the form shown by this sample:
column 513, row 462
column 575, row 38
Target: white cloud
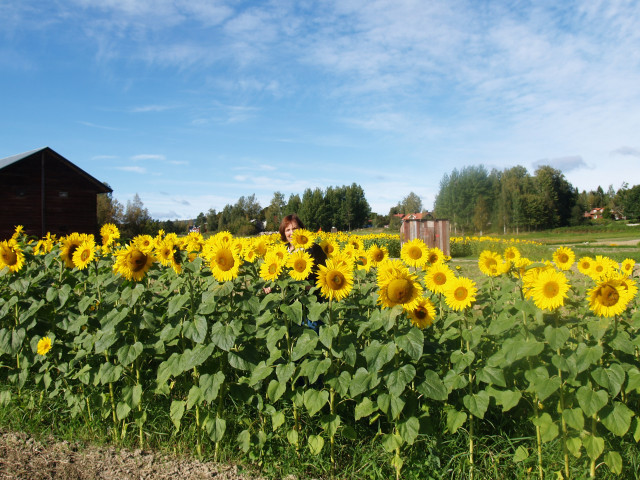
column 140, row 170
column 147, row 156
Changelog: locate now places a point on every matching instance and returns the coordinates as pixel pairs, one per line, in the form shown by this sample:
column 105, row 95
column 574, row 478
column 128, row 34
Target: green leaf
column 391, row 405
column 591, row 401
column 634, row 380
column 574, row 418
column 244, row 440
column 5, row 398
column 277, row 420
column 340, row 383
column 491, row 376
column 63, row 294
column 328, row 333
column 593, row 445
column 477, row 403
column 613, row 461
column 521, row 454
column 610, row 378
column 556, row 337
column 285, row 371
column 363, row 381
column 432, row 387
column 292, row 436
column 455, row 420
column 378, row 355
column 548, row 429
column 409, row 429
column 636, row 430
column 293, row 312
column 84, row 303
column 574, row 444
column 223, row 336
column 195, row 397
column 500, row 324
column 398, row 379
column 461, row 360
column 391, row 442
column 312, row 369
column 210, row 385
column 587, row 356
column 122, row 410
column 617, row 419
column 104, row 340
column 275, row 390
column 365, row 408
column 259, row 373
column 315, row 444
column 176, row 411
column 216, row 427
column 622, row 342
column 128, row 353
column 196, row 330
column 109, row 373
column 330, row 423
column 314, row 400
column 412, row 343
column 508, row 399
column 176, row 303
column 306, row 344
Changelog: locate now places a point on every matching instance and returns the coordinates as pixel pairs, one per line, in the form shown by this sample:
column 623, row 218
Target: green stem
column 592, row 466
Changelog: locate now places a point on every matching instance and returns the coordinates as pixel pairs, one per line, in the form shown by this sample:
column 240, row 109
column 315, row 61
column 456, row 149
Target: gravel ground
column 22, row 457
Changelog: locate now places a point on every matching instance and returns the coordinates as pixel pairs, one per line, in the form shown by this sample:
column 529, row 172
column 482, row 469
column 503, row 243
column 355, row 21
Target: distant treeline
column 507, row 201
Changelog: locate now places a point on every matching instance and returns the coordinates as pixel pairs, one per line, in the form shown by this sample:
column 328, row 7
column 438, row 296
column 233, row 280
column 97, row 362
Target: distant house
column 414, row 216
column 595, row 213
column 45, row 192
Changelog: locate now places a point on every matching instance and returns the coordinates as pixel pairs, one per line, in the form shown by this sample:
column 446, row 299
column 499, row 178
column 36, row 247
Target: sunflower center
column 491, row 263
column 273, row 268
column 415, row 253
column 137, row 260
column 439, row 278
column 433, row 258
column 72, row 250
column 9, row 257
column 420, row 313
column 84, row 256
column 299, row 265
column 460, row 293
column 335, row 280
column 224, row 260
column 400, row 290
column 563, row 258
column 551, row 289
column 608, row 296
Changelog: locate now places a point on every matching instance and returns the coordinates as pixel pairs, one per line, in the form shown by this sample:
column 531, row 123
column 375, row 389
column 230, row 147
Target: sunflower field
column 535, row 362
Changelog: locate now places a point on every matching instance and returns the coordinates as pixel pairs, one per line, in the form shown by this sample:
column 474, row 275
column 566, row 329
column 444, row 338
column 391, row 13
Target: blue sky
column 193, row 103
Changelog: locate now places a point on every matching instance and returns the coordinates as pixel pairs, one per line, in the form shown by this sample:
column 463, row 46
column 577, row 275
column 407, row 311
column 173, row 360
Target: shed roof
column 5, row 162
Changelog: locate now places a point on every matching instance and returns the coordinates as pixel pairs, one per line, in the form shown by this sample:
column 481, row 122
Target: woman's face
column 288, row 232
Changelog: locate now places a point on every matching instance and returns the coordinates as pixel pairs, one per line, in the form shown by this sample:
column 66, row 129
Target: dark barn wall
column 68, row 204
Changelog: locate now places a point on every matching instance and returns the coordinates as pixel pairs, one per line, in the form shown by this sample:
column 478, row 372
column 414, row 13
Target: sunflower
column 435, row 256
column 84, row 254
column 224, row 263
column 414, row 253
column 423, row 315
column 564, row 257
column 11, row 256
column 609, row 298
column 300, row 263
column 512, row 254
column 399, row 287
column 460, row 293
column 301, row 238
column 69, row 245
column 602, row 267
column 627, row 265
column 378, row 254
column 356, row 242
column 585, row 264
column 490, row 263
column 144, row 243
column 363, row 260
column 271, row 267
column 334, row 280
column 109, row 233
column 437, row 276
column 132, row 263
column 168, row 254
column 329, row 247
column 549, row 289
column 44, row 345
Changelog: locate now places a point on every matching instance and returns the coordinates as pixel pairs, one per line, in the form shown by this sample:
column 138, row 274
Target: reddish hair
column 288, row 220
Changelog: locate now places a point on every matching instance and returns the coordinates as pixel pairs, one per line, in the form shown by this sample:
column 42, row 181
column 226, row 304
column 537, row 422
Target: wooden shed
column 434, row 233
column 45, row 192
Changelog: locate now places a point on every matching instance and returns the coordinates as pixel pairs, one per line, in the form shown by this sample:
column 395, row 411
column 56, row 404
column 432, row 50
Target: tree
column 109, row 210
column 293, row 205
column 630, row 203
column 412, row 203
column 136, row 219
column 274, row 213
column 481, row 214
column 212, row 220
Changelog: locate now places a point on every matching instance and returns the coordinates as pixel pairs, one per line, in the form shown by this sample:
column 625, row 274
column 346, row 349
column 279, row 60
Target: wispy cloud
column 147, row 156
column 630, row 151
column 102, row 127
column 140, row 170
column 565, row 164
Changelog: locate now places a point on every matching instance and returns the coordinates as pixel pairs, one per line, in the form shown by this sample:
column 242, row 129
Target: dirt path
column 22, row 457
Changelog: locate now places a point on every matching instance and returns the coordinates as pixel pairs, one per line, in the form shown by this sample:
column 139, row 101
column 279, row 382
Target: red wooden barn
column 45, row 192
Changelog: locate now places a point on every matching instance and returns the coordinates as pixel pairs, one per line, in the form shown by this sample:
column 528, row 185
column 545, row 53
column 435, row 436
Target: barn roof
column 101, row 187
